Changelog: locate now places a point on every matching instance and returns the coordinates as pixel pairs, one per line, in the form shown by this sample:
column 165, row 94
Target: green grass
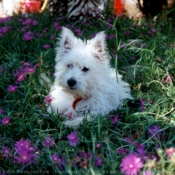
column 145, row 68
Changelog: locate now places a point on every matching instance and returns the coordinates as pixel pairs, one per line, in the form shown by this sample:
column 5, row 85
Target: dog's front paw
column 74, row 123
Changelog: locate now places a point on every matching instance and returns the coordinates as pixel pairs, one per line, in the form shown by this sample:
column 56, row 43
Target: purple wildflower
column 78, row 31
column 5, row 120
column 12, row 88
column 154, row 130
column 25, row 157
column 45, row 30
column 28, row 36
column 122, row 151
column 46, row 46
column 57, row 26
column 131, row 164
column 59, row 161
column 48, row 142
column 127, row 33
column 26, row 152
column 114, row 119
column 109, row 26
column 6, row 152
column 142, row 105
column 20, row 19
column 27, row 22
column 1, row 111
column 22, row 72
column 23, row 145
column 98, row 161
column 143, row 45
column 147, row 172
column 29, row 70
column 21, row 76
column 73, row 138
column 2, row 69
column 27, row 64
column 4, row 30
column 122, row 46
column 141, row 151
column 52, row 37
column 153, row 30
column 24, row 29
column 85, row 155
column 34, row 23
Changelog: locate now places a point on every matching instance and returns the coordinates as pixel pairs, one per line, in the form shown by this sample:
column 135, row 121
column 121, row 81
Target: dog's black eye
column 70, row 66
column 85, row 69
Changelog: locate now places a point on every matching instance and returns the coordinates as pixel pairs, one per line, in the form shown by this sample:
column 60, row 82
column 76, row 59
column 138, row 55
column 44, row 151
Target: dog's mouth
column 72, row 88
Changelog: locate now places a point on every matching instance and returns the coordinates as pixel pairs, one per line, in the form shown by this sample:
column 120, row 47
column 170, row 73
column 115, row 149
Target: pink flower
column 48, row 99
column 98, row 145
column 148, row 172
column 29, row 70
column 21, row 77
column 73, row 138
column 5, row 120
column 159, row 59
column 12, row 88
column 168, row 79
column 169, row 151
column 48, row 142
column 131, row 164
column 26, row 68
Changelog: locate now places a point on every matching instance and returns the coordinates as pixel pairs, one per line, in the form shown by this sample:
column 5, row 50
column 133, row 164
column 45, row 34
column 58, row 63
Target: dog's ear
column 98, row 42
column 67, row 39
column 66, row 42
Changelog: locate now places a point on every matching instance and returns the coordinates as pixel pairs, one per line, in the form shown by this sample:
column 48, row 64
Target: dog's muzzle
column 72, row 83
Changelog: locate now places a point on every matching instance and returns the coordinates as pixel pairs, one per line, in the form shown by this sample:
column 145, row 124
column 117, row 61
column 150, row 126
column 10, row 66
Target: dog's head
column 80, row 65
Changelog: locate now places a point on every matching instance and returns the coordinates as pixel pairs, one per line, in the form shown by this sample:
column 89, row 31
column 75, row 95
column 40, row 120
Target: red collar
column 75, row 102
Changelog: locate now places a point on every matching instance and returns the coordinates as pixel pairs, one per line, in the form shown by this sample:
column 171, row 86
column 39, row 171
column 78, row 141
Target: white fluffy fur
column 101, row 91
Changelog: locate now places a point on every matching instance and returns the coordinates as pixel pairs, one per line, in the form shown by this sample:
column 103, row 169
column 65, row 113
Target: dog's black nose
column 71, row 82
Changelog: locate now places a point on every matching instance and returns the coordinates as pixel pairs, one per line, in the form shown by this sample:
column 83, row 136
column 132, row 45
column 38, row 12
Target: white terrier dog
column 85, row 85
